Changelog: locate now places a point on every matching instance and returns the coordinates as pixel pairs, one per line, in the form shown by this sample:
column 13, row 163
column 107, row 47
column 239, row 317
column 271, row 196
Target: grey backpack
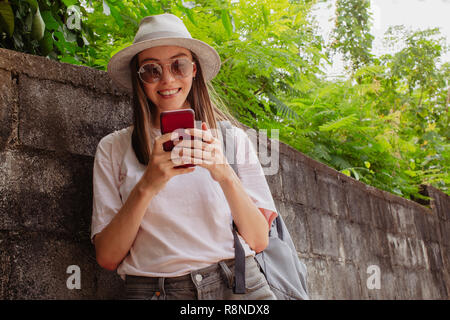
column 285, row 273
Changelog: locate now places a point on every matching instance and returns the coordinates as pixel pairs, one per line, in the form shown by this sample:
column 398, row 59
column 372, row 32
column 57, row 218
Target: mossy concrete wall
column 52, row 115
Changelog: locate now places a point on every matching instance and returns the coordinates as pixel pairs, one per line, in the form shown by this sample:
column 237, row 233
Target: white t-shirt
column 188, row 224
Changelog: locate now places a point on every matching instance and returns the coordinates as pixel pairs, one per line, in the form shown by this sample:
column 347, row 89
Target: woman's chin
column 171, row 106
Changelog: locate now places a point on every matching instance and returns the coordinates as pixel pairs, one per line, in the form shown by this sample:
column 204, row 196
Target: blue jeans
column 214, row 282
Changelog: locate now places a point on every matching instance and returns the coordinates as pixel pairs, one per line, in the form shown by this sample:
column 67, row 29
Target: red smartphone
column 173, row 120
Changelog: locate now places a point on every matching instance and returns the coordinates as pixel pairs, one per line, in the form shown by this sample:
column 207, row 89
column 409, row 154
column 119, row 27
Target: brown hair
column 202, row 98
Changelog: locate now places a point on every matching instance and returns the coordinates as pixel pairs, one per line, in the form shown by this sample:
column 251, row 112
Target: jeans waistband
column 199, row 277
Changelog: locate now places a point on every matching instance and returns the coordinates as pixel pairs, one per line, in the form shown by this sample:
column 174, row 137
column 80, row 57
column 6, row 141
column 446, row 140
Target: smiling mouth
column 172, row 92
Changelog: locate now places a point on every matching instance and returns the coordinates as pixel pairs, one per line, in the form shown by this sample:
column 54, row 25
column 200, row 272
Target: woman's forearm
column 113, row 243
column 250, row 222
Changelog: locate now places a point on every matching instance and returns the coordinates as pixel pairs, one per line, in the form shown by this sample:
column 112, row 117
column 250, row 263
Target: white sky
column 415, row 14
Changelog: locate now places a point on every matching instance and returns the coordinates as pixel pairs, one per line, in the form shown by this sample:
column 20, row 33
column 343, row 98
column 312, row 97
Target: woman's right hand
column 160, row 167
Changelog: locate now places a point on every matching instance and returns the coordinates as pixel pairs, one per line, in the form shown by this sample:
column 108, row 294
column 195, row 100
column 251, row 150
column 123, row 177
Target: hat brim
column 119, row 64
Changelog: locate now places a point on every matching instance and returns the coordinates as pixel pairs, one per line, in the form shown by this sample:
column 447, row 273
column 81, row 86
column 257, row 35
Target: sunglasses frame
column 162, row 69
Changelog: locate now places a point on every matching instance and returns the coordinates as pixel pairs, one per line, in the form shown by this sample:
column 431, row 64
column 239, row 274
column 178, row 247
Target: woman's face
column 168, row 82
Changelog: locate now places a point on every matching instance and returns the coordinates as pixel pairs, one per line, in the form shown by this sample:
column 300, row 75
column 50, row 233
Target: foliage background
column 386, row 125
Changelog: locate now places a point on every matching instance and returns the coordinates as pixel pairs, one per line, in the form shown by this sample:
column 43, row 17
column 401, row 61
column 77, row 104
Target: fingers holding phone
column 207, row 152
column 191, row 151
column 160, row 167
column 167, row 160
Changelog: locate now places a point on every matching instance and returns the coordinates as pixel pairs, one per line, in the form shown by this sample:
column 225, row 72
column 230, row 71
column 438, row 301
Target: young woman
column 167, row 231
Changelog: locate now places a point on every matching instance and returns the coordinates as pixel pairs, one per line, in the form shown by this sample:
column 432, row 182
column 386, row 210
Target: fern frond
column 339, row 162
column 284, row 110
column 345, row 122
column 322, row 152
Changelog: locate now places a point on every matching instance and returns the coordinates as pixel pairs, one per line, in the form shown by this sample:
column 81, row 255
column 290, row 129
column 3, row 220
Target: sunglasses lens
column 181, row 67
column 152, row 72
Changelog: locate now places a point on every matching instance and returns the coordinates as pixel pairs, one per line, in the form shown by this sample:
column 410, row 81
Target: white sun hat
column 162, row 30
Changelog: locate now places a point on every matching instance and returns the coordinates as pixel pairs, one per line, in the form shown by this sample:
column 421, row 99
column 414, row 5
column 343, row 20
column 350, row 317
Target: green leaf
column 191, row 17
column 49, row 20
column 226, row 22
column 184, row 7
column 34, row 5
column 284, row 110
column 322, row 151
column 59, row 42
column 38, row 28
column 337, row 124
column 265, row 13
column 367, row 164
column 69, row 3
column 69, row 59
column 116, row 14
column 346, row 172
column 355, row 173
column 411, row 173
column 339, row 162
column 6, row 18
column 46, row 43
column 151, row 10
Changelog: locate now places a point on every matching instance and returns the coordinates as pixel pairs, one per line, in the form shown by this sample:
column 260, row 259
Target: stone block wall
column 52, row 115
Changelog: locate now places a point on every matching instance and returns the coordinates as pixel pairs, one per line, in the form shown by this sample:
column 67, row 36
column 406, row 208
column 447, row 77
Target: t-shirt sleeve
column 252, row 176
column 106, row 197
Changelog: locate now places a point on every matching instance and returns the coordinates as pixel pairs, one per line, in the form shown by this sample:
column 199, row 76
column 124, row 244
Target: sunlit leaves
column 352, row 32
column 339, row 123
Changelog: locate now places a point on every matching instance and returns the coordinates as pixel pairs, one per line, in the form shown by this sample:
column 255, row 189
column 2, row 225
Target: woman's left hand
column 205, row 152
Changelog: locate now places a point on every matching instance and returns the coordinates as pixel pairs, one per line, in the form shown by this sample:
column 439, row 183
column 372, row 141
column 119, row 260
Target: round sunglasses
column 152, row 72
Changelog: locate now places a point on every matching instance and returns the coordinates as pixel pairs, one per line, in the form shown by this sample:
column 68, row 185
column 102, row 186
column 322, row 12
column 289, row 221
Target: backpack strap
column 239, row 264
column 239, row 253
column 279, row 228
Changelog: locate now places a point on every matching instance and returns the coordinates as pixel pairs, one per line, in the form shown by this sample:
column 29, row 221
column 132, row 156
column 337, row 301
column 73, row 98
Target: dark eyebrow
column 175, row 56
